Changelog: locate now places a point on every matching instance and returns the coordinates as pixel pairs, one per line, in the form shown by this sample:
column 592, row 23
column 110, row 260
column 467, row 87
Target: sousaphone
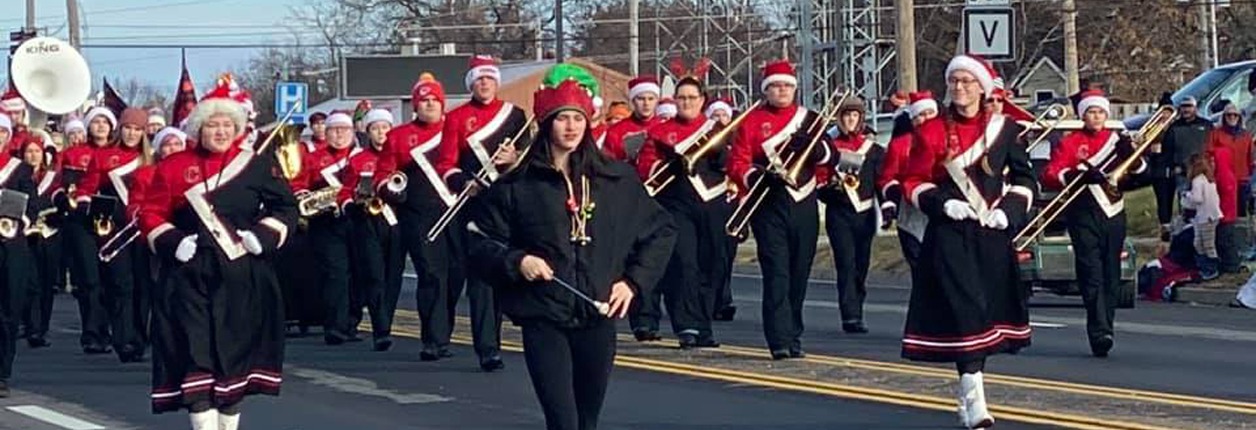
column 51, row 75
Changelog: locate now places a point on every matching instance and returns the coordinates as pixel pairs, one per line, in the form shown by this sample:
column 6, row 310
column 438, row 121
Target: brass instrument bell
column 8, row 228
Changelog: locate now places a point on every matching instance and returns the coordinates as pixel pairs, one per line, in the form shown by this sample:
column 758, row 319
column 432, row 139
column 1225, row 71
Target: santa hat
column 73, row 125
column 6, row 123
column 226, row 98
column 340, row 119
column 155, row 116
column 1000, row 90
column 102, row 112
column 376, row 115
column 483, row 66
column 718, row 105
column 643, row 84
column 778, row 72
column 1093, row 98
column 168, row 132
column 978, row 67
column 427, row 86
column 12, row 101
column 921, row 101
column 667, row 107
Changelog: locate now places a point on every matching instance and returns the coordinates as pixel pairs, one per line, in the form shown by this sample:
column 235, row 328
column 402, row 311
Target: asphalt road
column 349, row 387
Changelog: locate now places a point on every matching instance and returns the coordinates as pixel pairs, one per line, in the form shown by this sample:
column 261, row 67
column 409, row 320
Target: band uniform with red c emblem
column 48, row 271
column 412, row 149
column 786, row 224
column 624, row 139
column 1096, row 220
column 472, row 134
column 15, row 258
column 849, row 193
column 79, row 242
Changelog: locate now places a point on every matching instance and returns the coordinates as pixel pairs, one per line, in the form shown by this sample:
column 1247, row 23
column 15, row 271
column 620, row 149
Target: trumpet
column 313, row 203
column 664, row 175
column 850, row 181
column 1143, row 139
column 396, row 183
column 104, row 226
column 40, row 226
column 8, row 228
column 793, row 165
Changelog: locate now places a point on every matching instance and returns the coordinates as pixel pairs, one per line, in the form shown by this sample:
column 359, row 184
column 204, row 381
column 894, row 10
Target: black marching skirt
column 968, row 302
column 218, row 331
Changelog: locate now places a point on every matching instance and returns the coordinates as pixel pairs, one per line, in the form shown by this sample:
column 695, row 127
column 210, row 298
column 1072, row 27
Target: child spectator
column 1206, row 205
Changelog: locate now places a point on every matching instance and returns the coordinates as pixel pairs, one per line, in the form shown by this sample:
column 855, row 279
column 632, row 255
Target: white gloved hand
column 959, row 210
column 186, row 249
column 995, row 219
column 250, row 242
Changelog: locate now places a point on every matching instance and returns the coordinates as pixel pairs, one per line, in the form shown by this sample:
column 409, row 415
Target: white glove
column 186, row 249
column 250, row 241
column 959, row 210
column 995, row 219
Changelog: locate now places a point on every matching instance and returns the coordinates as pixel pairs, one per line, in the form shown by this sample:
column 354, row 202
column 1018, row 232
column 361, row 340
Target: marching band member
column 721, row 110
column 787, row 223
column 322, row 170
column 109, row 177
column 920, row 107
column 318, row 133
column 849, row 220
column 1096, row 221
column 212, row 214
column 694, row 199
column 48, row 274
column 625, row 138
column 666, row 109
column 15, row 263
column 79, row 242
column 569, row 214
column 156, row 122
column 75, row 134
column 472, row 140
column 411, row 149
column 12, row 104
column 376, row 246
column 971, row 304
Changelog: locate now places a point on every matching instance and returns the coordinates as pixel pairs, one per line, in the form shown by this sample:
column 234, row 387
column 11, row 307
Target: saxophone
column 312, row 203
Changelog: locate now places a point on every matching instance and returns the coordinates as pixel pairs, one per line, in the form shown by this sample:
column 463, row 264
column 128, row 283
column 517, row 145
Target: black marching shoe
column 780, row 354
column 646, row 335
column 1100, row 347
column 796, row 352
column 38, row 341
column 854, row 327
column 95, row 348
column 433, row 353
column 492, row 363
column 726, row 313
column 383, row 343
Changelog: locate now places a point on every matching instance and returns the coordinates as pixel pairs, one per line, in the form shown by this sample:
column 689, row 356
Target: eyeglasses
column 687, row 98
column 964, row 81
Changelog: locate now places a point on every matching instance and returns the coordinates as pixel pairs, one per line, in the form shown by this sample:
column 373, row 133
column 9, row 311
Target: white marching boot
column 972, row 402
column 207, row 420
column 228, row 422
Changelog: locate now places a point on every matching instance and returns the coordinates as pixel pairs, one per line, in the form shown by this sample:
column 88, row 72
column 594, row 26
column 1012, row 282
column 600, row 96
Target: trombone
column 480, row 176
column 1143, row 139
column 665, row 174
column 1060, row 113
column 793, row 165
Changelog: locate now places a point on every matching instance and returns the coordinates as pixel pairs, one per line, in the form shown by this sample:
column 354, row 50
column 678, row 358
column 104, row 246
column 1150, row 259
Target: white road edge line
column 55, row 418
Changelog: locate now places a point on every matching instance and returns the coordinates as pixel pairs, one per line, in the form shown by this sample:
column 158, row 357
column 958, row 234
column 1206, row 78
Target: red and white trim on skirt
column 198, row 386
column 993, row 339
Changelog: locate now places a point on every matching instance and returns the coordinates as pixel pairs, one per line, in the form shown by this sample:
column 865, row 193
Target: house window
column 1043, row 95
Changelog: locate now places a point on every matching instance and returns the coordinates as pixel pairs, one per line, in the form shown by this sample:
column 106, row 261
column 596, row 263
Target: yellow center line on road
column 837, row 390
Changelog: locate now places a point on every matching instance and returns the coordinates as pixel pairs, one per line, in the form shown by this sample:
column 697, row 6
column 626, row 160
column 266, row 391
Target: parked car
column 1212, row 89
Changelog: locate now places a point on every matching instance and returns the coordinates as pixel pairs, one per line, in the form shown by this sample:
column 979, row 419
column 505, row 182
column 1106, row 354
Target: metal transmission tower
column 714, row 29
column 849, row 44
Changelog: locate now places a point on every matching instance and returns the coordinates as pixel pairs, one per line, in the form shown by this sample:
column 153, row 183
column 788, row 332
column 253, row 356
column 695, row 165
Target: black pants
column 330, row 238
column 570, row 370
column 1097, row 245
column 80, row 245
column 850, row 236
column 377, row 267
column 299, row 282
column 433, row 269
column 47, row 277
column 1228, row 247
column 15, row 269
column 696, row 265
column 486, row 316
column 785, row 237
column 1166, row 193
column 127, row 283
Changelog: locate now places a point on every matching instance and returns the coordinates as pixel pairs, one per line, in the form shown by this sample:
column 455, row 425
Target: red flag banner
column 112, row 100
column 184, row 99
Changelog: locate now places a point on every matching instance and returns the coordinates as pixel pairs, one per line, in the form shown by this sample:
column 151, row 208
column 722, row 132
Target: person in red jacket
column 1096, row 219
column 318, row 133
column 967, row 304
column 375, row 251
column 787, row 222
column 472, row 141
column 918, row 108
column 1228, row 192
column 108, row 181
column 16, row 177
column 48, row 273
column 12, row 104
column 79, row 243
column 213, row 215
column 848, row 190
column 625, row 138
column 694, row 199
column 411, row 151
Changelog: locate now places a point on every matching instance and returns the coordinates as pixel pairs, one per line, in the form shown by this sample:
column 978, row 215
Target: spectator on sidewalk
column 1231, row 134
column 1204, row 202
column 1184, row 139
column 1228, row 193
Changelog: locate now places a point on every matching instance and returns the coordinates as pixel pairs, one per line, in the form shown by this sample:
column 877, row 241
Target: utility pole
column 1070, row 46
column 905, row 38
column 1207, row 60
column 634, row 37
column 558, row 24
column 30, row 14
column 72, row 13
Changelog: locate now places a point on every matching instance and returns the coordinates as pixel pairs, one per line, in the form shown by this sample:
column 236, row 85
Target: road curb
column 1206, row 296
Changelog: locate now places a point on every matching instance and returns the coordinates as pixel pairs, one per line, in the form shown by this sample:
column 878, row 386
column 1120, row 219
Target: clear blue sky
column 118, row 22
